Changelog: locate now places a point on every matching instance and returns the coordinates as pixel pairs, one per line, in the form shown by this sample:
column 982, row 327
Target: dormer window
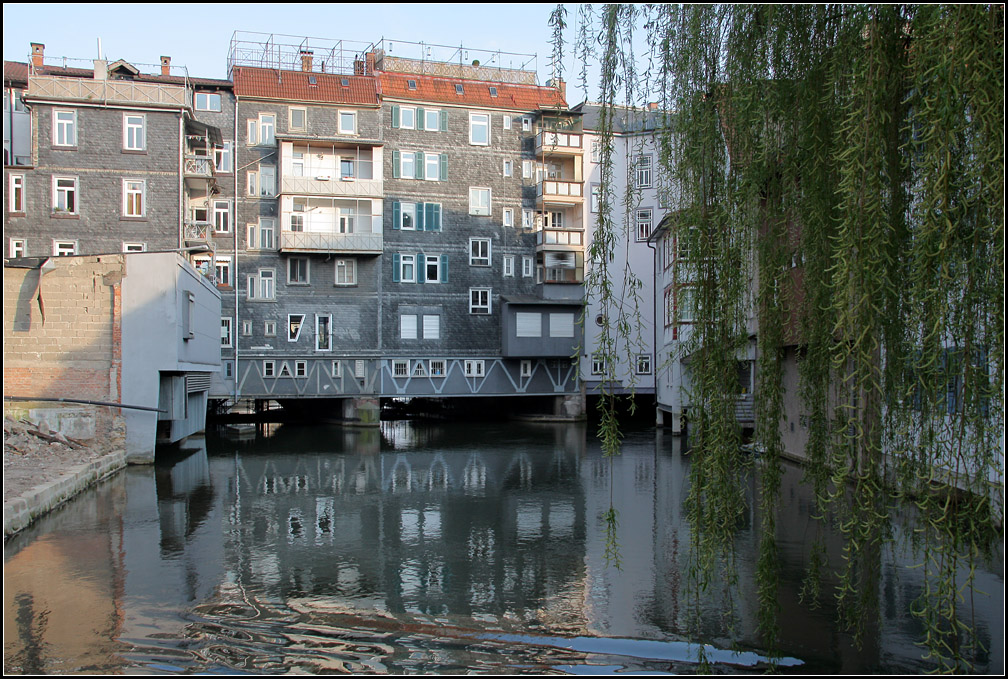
column 493, row 91
column 458, row 89
column 345, row 82
column 411, row 84
column 313, row 81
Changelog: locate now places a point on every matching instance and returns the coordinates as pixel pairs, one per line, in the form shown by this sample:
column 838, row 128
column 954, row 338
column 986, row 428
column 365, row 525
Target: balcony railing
column 562, row 275
column 563, row 237
column 561, row 191
column 199, row 166
column 108, row 91
column 196, row 230
column 558, row 142
column 335, row 186
column 330, row 241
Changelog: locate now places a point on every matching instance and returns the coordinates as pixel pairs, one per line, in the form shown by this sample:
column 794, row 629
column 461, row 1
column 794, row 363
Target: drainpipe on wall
column 181, row 169
column 237, row 277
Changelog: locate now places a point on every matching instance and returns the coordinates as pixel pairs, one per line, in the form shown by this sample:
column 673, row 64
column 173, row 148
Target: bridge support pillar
column 362, row 412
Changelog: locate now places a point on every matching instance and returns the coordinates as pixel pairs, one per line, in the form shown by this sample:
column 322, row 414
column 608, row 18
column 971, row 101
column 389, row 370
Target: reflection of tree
column 31, row 629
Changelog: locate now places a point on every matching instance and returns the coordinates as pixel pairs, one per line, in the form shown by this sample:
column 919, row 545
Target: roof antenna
column 99, row 49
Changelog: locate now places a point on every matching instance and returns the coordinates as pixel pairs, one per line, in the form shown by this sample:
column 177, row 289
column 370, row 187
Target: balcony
column 367, row 243
column 196, row 231
column 199, row 167
column 560, row 191
column 560, row 240
column 108, row 91
column 558, row 143
column 350, row 187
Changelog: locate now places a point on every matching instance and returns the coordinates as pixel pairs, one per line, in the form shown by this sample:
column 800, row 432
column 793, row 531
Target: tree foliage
column 837, row 174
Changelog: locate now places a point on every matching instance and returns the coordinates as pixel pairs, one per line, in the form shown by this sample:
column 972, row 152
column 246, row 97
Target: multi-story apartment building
column 637, row 200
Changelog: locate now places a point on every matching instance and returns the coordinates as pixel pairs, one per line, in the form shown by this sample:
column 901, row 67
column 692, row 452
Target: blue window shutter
column 395, row 115
column 421, row 269
column 436, row 214
column 396, row 214
column 444, row 268
column 395, row 267
column 444, row 121
column 443, row 167
column 395, row 164
column 419, row 119
column 420, row 226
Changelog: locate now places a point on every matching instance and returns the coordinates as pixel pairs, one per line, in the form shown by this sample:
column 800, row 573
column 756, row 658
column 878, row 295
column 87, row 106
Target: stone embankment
column 43, row 468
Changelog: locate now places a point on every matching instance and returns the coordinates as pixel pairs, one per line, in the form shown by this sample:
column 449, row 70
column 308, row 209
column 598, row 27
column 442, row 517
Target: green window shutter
column 395, row 267
column 419, row 164
column 421, row 268
column 436, row 217
column 419, row 119
column 395, row 164
column 420, row 217
column 444, row 268
column 396, row 214
column 444, row 121
column 443, row 167
column 395, row 115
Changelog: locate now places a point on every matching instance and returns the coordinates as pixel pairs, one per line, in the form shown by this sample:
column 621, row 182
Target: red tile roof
column 439, row 89
column 265, row 83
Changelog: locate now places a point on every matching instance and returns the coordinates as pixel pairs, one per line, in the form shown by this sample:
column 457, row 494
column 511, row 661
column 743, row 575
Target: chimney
column 652, row 106
column 100, row 69
column 38, row 53
column 166, row 66
column 369, row 61
column 560, row 85
column 306, row 60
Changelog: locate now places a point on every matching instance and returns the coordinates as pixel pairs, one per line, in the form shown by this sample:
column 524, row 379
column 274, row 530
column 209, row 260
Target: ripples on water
column 420, row 549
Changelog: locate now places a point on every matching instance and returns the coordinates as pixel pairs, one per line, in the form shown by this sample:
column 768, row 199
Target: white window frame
column 269, row 369
column 16, row 194
column 525, row 369
column 508, row 216
column 134, row 132
column 506, row 121
column 526, row 123
column 475, row 367
column 222, row 216
column 412, row 164
column 303, row 110
column 435, row 160
column 262, row 235
column 399, row 367
column 526, row 169
column 134, row 190
column 296, row 334
column 269, row 328
column 267, row 129
column 481, row 301
column 402, row 118
column 267, row 181
column 353, row 122
column 435, row 262
column 407, row 263
column 16, row 247
column 64, row 128
column 436, row 367
column 222, row 157
column 348, row 265
column 436, row 112
column 528, row 267
column 64, row 248
column 67, row 192
column 645, row 223
column 528, row 218
column 133, row 247
column 407, row 209
column 477, row 121
column 475, row 201
column 509, row 266
column 262, row 285
column 222, row 270
column 643, row 365
column 227, row 332
column 598, row 364
column 507, row 168
column 594, row 197
column 207, row 101
column 300, row 368
column 480, row 252
column 307, row 270
column 323, row 340
column 643, row 166
column 246, row 330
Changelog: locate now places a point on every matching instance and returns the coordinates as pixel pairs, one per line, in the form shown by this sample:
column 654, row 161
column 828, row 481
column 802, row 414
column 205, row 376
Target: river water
column 421, row 547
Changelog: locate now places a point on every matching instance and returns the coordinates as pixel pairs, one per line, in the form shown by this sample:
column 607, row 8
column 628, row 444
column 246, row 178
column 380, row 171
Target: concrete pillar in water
column 362, row 412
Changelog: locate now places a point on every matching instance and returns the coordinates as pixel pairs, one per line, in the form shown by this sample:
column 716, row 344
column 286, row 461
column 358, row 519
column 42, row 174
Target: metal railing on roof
column 288, row 52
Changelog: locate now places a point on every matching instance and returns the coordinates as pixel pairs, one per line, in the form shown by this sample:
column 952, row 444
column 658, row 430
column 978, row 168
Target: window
column 222, row 216
column 297, row 118
column 262, row 285
column 528, row 324
column 526, row 367
column 435, row 120
column 261, row 235
column 300, row 368
column 269, row 328
column 479, row 252
column 404, row 117
column 346, row 272
column 253, row 183
column 509, row 266
column 408, row 326
column 433, row 269
column 347, row 217
column 685, row 305
column 598, row 364
column 348, row 122
column 222, row 157
column 526, row 169
column 228, row 369
column 407, row 216
column 297, row 271
column 347, row 169
column 16, row 248
column 222, row 271
column 561, row 325
column 479, row 129
column 65, row 195
column 267, row 127
column 16, row 194
column 411, row 84
column 526, row 123
column 246, row 329
column 643, row 165
column 269, row 369
column 479, row 201
column 493, row 91
column 406, row 268
column 474, row 368
column 435, row 165
column 431, row 326
column 134, row 132
column 400, row 367
column 207, row 101
column 133, row 197
column 407, row 165
column 337, row 370
column 643, row 364
column 294, row 323
column 459, row 89
column 64, row 248
column 528, row 219
column 323, row 332
column 507, row 169
column 203, row 264
column 226, row 330
column 595, row 197
column 643, row 224
column 527, row 266
column 479, row 300
column 436, row 367
column 596, row 151
column 64, row 128
column 508, row 216
column 419, row 370
column 267, row 181
column 507, row 122
column 552, row 220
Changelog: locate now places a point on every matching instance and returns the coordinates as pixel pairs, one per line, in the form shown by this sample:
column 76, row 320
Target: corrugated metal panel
column 196, row 382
